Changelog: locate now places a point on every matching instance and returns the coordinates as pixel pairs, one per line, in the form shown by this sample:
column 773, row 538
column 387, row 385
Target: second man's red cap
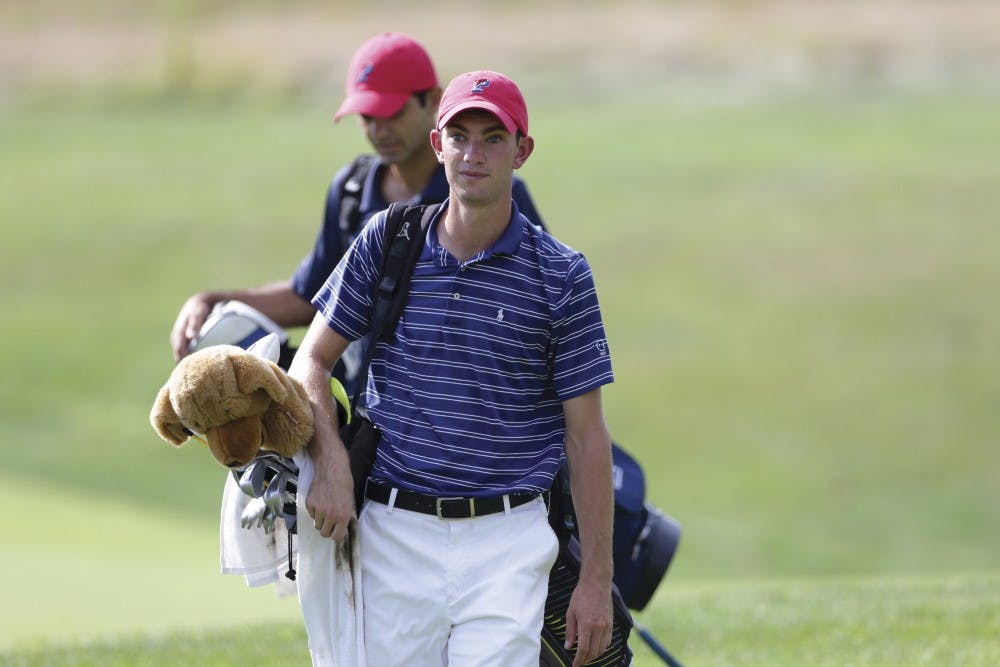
column 384, row 72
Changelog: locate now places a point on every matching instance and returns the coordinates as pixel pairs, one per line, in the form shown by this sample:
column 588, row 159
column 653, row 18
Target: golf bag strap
column 349, row 215
column 405, row 231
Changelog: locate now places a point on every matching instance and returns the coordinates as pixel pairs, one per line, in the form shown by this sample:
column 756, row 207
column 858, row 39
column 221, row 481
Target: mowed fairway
column 800, row 296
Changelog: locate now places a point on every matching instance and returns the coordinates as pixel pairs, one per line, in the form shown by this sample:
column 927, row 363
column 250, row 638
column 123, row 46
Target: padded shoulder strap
column 405, row 231
column 350, row 196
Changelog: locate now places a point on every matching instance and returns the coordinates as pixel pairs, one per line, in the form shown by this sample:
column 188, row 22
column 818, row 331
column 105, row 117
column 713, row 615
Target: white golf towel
column 262, row 558
column 328, row 576
column 329, row 582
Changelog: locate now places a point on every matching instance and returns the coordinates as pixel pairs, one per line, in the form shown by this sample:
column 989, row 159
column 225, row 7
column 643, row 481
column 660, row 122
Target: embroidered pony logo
column 500, row 315
column 404, row 231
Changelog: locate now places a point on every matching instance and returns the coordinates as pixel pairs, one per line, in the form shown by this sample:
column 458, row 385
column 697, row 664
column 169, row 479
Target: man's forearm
column 278, row 301
column 315, row 378
column 588, row 451
column 330, row 500
column 593, row 503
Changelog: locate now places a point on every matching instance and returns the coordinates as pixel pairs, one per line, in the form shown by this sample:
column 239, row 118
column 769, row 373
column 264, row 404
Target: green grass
column 836, row 622
column 76, row 567
column 800, row 295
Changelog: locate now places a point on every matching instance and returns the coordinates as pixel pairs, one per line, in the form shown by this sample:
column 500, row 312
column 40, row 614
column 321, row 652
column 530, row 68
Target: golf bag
column 644, row 544
column 645, row 539
column 563, row 578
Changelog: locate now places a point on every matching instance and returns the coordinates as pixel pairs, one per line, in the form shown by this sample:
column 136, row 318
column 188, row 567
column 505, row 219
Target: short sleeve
column 581, row 359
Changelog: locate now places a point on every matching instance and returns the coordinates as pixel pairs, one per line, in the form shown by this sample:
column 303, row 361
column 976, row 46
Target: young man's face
column 479, row 156
column 402, row 136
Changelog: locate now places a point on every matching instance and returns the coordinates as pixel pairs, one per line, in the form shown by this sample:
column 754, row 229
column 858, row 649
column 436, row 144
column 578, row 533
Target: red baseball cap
column 489, row 91
column 385, row 71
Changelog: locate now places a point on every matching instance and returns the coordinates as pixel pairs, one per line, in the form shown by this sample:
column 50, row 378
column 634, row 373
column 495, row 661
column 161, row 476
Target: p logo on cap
column 487, row 91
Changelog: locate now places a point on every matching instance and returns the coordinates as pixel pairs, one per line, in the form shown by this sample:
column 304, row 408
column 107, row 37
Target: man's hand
column 589, row 621
column 193, row 314
column 278, row 301
column 330, row 501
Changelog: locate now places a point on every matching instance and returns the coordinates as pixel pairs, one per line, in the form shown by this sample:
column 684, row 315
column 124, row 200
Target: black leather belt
column 445, row 508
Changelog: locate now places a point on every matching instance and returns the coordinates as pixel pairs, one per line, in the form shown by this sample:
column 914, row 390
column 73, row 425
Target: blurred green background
column 791, row 210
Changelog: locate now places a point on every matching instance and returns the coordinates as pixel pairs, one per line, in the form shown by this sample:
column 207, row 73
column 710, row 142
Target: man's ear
column 525, row 147
column 434, row 100
column 436, row 144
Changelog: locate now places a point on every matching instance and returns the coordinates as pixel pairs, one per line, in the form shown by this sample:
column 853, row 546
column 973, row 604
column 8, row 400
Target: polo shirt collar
column 509, row 241
column 507, row 244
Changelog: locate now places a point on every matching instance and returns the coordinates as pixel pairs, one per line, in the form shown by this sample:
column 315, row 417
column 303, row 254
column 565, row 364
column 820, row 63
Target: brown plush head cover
column 240, row 402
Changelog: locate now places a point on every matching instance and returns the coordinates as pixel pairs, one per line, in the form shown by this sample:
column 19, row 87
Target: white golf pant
column 455, row 592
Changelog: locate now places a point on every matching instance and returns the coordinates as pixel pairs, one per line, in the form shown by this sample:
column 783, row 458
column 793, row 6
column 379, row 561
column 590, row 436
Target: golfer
column 393, row 87
column 495, row 371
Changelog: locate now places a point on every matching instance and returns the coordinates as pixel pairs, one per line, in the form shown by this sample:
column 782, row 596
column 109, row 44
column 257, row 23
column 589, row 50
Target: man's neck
column 468, row 230
column 402, row 181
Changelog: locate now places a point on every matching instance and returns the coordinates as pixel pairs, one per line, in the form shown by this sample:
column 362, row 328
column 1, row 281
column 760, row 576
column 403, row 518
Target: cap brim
column 371, row 103
column 482, row 105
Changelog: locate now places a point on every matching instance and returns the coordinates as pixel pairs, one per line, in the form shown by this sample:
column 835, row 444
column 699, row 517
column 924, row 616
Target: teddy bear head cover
column 239, row 401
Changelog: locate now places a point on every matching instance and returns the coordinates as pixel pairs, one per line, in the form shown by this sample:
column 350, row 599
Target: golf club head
column 280, row 497
column 274, row 494
column 258, row 473
column 252, row 513
column 254, row 479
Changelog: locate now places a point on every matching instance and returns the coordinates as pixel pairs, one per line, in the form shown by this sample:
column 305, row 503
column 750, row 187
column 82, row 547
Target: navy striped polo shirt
column 469, row 394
